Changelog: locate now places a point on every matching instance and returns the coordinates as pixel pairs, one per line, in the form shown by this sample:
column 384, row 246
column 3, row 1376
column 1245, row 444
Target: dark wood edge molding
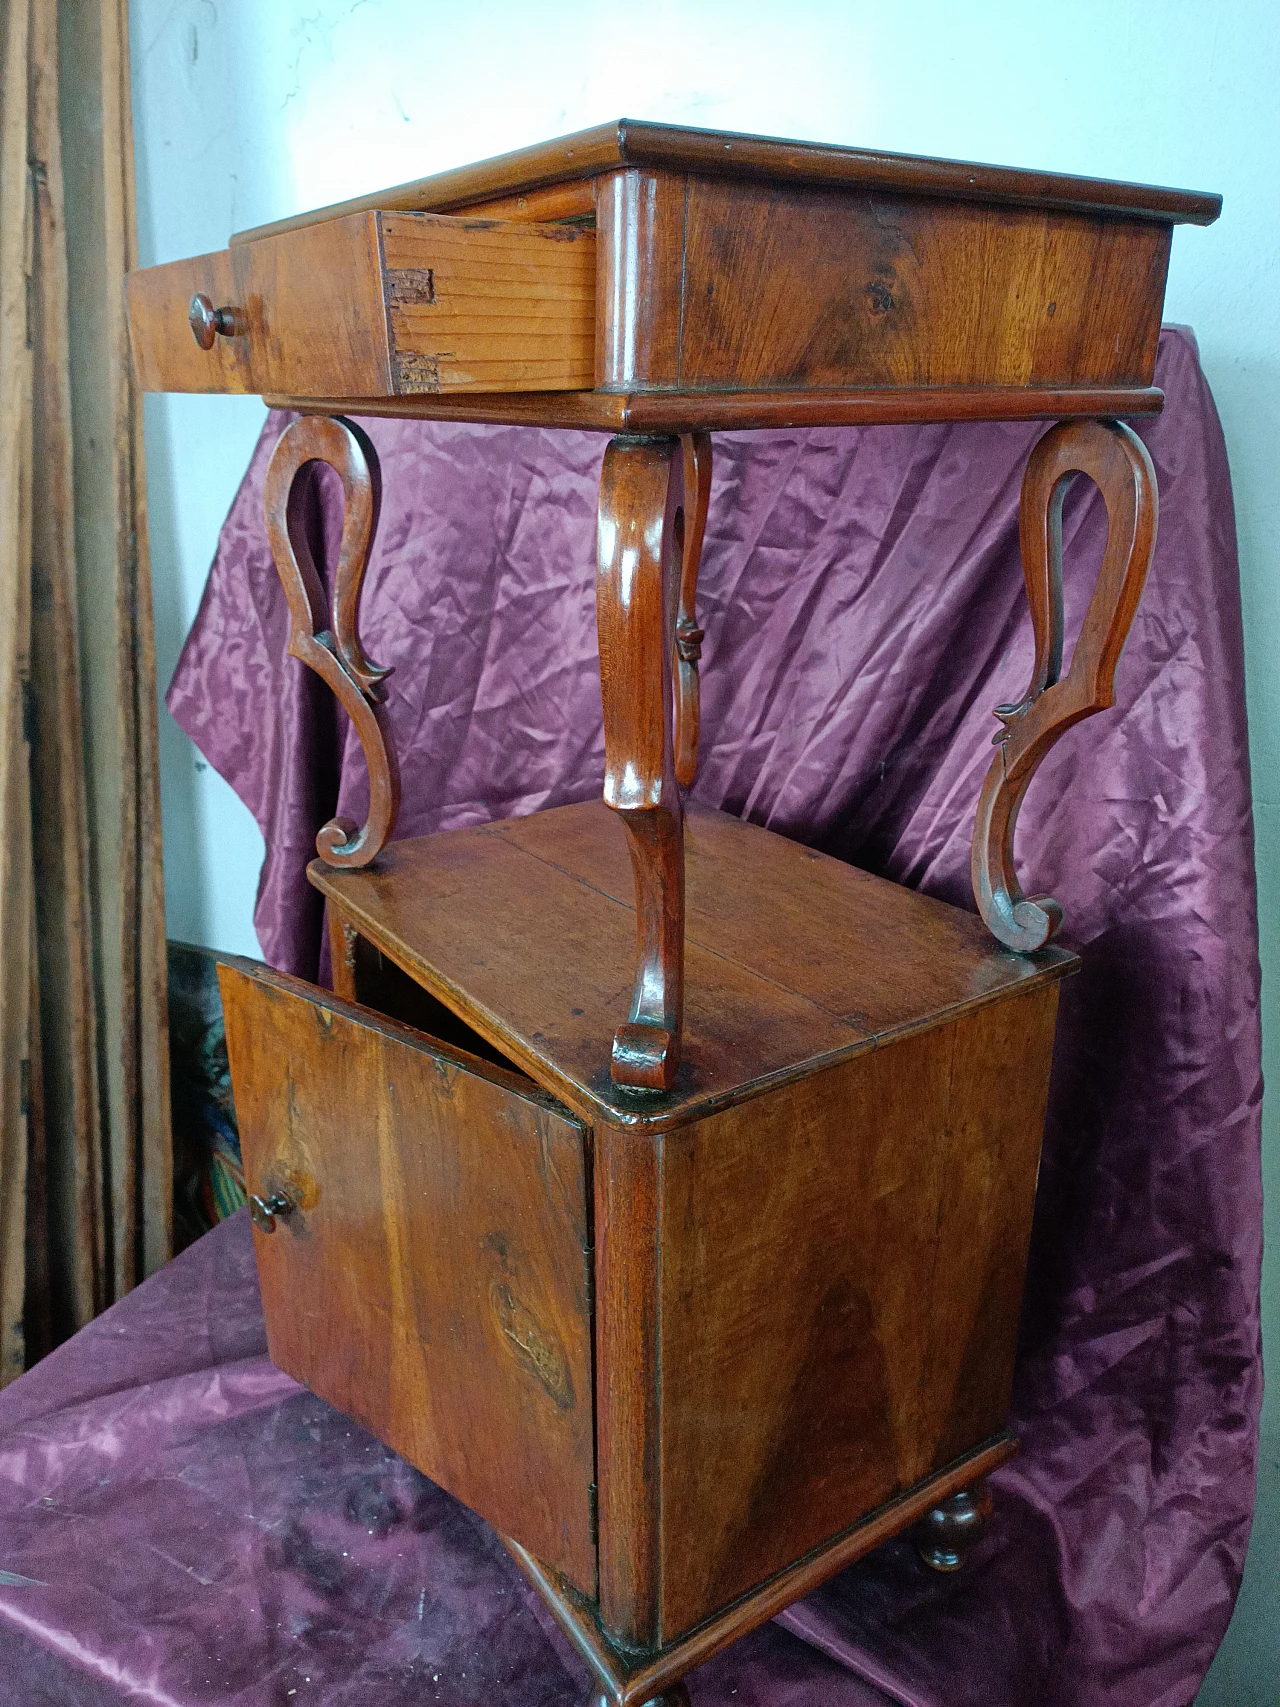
column 634, row 142
column 630, row 1679
column 675, row 412
column 727, row 154
column 710, row 411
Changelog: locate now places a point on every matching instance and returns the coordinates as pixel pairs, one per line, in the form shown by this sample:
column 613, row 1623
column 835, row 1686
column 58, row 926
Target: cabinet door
column 430, row 1278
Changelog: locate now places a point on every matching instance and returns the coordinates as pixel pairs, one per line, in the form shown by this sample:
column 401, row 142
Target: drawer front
column 431, row 1278
column 377, row 305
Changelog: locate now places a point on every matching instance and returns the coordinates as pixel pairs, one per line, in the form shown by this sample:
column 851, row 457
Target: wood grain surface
column 712, row 285
column 743, row 281
column 745, row 1300
column 324, row 630
column 573, row 202
column 807, row 288
column 714, row 305
column 809, row 1255
column 640, row 240
column 841, row 1281
column 689, row 637
column 628, row 1189
column 806, row 1304
column 501, row 306
column 432, row 1278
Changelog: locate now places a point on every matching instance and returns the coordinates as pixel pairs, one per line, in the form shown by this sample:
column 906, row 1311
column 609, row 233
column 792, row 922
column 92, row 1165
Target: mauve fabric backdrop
column 194, row 1527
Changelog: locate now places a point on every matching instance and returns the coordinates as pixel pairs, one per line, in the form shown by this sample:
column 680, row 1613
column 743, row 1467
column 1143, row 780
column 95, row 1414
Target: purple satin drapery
column 187, row 1515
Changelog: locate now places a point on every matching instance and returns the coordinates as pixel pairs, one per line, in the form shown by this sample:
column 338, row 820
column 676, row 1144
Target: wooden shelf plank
column 526, row 930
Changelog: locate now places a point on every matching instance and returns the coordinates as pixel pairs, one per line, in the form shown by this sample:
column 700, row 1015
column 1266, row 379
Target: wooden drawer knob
column 208, row 322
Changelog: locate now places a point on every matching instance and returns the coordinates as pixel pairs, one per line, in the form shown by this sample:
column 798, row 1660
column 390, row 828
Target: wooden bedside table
column 700, row 1291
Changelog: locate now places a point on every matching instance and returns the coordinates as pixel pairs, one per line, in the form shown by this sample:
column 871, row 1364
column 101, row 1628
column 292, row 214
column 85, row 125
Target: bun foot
column 944, row 1535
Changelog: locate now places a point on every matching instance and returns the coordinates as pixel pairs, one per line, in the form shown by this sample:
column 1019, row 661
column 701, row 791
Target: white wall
column 247, row 110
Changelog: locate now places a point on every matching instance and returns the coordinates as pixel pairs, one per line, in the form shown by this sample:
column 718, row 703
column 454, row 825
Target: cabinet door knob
column 264, row 1210
column 208, row 322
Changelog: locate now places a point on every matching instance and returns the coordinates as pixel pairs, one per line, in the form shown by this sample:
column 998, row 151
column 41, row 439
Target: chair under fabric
column 187, row 1525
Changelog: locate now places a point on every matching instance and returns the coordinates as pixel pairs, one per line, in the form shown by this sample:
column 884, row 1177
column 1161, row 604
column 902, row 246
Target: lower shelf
column 525, row 929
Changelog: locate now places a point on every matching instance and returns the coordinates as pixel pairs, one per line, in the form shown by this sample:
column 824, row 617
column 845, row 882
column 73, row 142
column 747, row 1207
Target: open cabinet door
column 428, row 1270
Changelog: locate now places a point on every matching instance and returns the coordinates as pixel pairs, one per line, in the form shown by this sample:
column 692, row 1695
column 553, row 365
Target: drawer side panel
column 488, row 305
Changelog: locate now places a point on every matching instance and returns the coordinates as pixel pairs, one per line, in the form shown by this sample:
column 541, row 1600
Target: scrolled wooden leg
column 944, row 1536
column 330, row 645
column 1117, row 461
column 637, row 585
column 689, row 637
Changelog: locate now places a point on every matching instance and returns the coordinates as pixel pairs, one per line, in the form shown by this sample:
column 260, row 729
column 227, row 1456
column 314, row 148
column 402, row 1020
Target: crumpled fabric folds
column 181, row 1524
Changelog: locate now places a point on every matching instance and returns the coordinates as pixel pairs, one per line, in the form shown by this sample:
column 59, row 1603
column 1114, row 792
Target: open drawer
column 428, row 1272
column 374, row 305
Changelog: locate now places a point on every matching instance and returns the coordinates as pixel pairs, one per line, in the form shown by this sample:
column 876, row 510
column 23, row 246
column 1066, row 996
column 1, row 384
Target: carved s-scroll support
column 1117, row 461
column 331, row 645
column 689, row 637
column 637, row 587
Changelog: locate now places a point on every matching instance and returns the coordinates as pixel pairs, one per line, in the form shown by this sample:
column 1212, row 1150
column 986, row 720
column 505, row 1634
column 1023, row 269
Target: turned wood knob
column 944, row 1535
column 208, row 322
